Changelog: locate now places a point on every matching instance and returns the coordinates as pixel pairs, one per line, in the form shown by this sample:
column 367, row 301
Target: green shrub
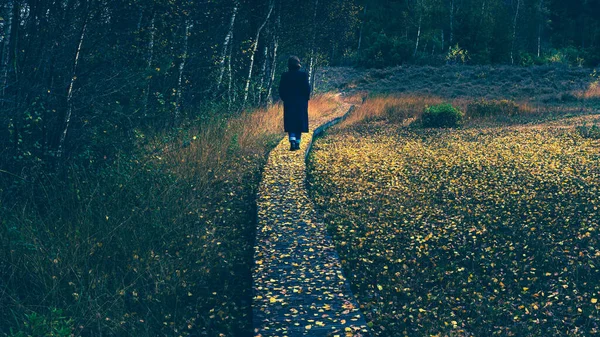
column 486, row 108
column 55, row 324
column 592, row 132
column 440, row 116
column 457, row 55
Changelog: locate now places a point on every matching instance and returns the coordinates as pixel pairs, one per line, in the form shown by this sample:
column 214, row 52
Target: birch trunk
column 514, row 35
column 6, row 46
column 150, row 60
column 312, row 44
column 443, row 41
column 253, row 53
column 230, row 79
column 539, row 39
column 274, row 61
column 69, row 113
column 263, row 74
column 451, row 22
column 184, row 57
column 226, row 43
column 418, row 35
column 360, row 32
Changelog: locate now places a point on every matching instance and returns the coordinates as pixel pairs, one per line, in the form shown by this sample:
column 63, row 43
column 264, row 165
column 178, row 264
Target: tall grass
column 154, row 242
column 407, row 108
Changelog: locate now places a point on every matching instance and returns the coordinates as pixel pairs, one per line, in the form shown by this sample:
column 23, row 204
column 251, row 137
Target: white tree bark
column 360, row 32
column 274, row 60
column 69, row 113
column 230, row 97
column 150, row 60
column 540, row 26
column 418, row 33
column 6, row 45
column 273, row 69
column 263, row 74
column 253, row 52
column 184, row 57
column 451, row 22
column 226, row 43
column 514, row 35
column 312, row 44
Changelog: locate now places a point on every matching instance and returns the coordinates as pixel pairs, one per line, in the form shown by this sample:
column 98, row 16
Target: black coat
column 294, row 90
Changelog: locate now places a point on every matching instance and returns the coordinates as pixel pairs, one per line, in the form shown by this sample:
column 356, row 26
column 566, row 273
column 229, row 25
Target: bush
column 442, row 115
column 485, row 108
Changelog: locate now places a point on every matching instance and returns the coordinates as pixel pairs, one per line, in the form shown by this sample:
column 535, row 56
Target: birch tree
column 312, row 43
column 149, row 61
column 69, row 113
column 6, row 45
column 226, row 43
column 184, row 56
column 253, row 51
column 514, row 33
column 274, row 59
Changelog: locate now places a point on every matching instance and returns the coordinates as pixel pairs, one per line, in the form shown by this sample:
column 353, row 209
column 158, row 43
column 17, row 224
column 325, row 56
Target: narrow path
column 299, row 288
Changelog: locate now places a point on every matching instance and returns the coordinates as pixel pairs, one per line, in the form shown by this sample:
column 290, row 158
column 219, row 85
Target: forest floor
column 488, row 229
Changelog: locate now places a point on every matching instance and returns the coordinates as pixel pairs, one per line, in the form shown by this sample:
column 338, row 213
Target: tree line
column 76, row 75
column 517, row 32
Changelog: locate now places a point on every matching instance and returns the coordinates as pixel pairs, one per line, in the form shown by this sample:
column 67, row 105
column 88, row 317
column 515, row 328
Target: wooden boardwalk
column 299, row 287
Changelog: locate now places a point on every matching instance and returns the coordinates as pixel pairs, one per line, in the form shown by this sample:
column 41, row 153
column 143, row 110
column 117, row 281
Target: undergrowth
column 157, row 241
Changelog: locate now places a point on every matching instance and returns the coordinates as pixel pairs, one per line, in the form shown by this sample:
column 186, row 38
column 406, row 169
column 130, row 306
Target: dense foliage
column 473, row 232
column 519, row 32
column 441, row 116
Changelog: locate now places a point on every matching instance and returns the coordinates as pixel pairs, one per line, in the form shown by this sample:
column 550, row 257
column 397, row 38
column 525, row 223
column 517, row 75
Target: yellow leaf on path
column 594, row 300
column 308, row 327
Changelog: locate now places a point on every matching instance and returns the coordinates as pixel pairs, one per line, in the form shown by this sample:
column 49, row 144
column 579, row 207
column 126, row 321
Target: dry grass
column 157, row 243
column 593, row 92
column 406, row 108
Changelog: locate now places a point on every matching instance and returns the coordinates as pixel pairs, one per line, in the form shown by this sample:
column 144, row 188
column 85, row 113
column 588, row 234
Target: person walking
column 294, row 90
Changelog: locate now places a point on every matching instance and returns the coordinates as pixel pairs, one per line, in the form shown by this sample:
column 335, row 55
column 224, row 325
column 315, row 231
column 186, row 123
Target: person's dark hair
column 294, row 63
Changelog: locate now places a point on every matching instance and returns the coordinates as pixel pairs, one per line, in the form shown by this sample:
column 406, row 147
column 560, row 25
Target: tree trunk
column 7, row 37
column 312, row 43
column 451, row 22
column 253, row 52
column 184, row 56
column 418, row 35
column 360, row 31
column 514, row 35
column 150, row 60
column 263, row 74
column 226, row 43
column 274, row 61
column 540, row 26
column 69, row 113
column 230, row 96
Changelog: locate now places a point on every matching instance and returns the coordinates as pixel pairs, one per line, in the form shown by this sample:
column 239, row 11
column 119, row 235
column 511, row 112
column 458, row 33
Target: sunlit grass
column 485, row 230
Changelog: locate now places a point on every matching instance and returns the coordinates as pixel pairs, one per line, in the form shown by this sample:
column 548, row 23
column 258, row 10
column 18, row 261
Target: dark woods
column 78, row 77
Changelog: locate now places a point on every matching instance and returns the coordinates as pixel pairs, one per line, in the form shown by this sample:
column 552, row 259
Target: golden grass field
column 486, row 230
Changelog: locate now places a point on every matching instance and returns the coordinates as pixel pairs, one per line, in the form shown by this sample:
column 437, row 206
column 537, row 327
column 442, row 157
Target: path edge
column 318, row 131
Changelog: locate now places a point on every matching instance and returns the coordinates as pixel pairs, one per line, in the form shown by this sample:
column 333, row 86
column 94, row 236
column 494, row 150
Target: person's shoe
column 292, row 146
column 297, row 145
